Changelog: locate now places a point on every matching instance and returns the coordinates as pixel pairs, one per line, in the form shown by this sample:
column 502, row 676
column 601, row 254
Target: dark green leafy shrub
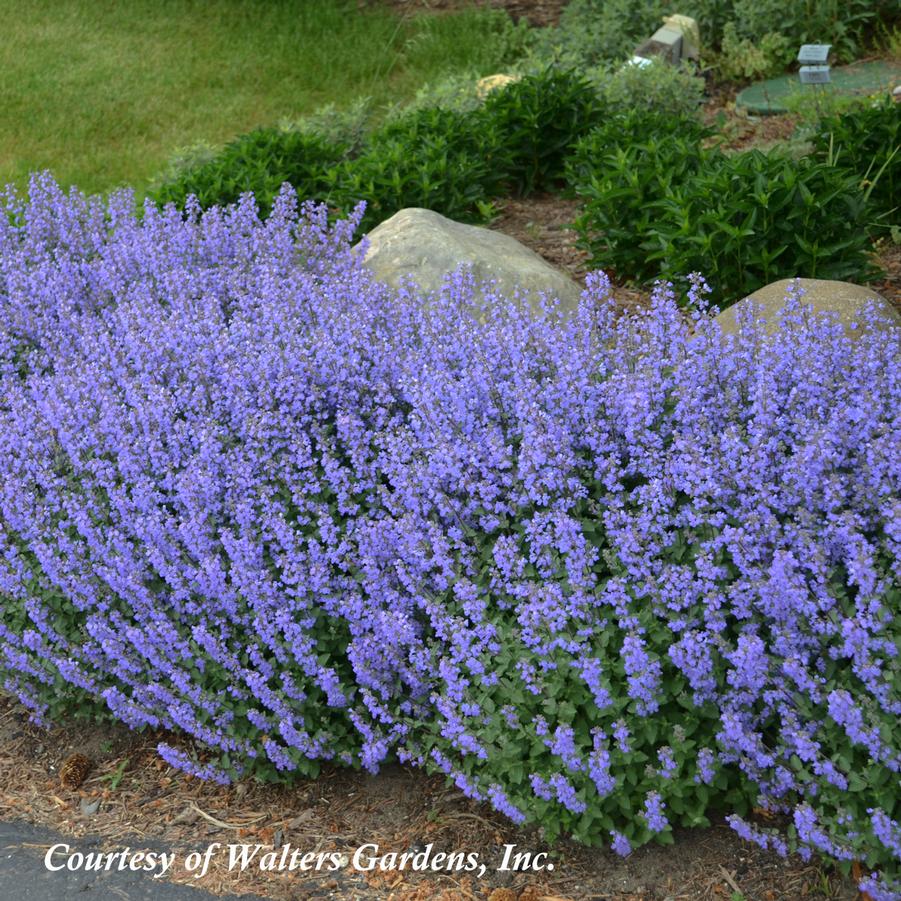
column 753, row 217
column 439, row 159
column 866, row 143
column 621, row 169
column 446, row 160
column 260, row 161
column 541, row 118
column 744, row 219
column 623, row 130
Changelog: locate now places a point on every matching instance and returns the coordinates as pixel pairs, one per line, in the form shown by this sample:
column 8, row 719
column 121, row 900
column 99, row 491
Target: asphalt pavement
column 26, row 876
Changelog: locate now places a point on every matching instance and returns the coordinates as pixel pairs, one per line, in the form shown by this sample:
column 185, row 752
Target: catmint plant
column 605, row 573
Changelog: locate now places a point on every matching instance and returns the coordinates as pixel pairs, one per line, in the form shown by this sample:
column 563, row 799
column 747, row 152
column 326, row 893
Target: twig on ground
column 224, row 825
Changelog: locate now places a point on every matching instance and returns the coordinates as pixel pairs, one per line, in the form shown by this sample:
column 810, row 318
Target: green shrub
column 450, row 161
column 744, row 59
column 540, row 119
column 846, row 24
column 597, row 32
column 183, row 160
column 348, row 126
column 455, row 92
column 443, row 160
column 754, row 217
column 657, row 87
column 260, row 161
column 667, row 207
column 620, row 170
column 865, row 142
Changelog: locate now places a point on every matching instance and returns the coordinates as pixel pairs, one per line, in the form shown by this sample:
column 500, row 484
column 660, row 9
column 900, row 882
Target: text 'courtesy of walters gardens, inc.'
column 367, row 858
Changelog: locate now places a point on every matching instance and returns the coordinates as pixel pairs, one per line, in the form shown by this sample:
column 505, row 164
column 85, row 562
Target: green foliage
column 449, row 161
column 657, row 87
column 745, row 59
column 597, row 32
column 865, row 142
column 541, row 118
column 347, row 126
column 766, row 32
column 184, row 159
column 811, row 103
column 261, row 162
column 438, row 159
column 751, row 218
column 621, row 170
column 454, row 92
column 846, row 24
column 669, row 207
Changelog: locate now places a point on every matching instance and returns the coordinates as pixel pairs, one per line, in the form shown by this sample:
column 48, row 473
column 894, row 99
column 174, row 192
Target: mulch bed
column 888, row 258
column 131, row 797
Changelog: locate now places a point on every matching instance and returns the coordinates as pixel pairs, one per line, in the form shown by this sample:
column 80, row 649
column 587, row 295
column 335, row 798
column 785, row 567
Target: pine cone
column 74, row 770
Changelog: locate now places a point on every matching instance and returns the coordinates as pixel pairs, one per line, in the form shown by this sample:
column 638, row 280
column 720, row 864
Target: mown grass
column 102, row 91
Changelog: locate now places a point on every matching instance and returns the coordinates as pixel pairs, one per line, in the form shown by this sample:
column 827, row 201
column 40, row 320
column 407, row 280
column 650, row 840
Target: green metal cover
column 767, row 98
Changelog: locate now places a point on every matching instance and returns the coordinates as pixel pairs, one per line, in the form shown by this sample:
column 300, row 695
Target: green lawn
column 102, row 91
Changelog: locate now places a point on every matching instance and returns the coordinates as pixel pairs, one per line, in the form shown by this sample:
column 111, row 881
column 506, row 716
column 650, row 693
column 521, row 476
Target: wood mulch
column 543, row 223
column 131, row 797
column 888, row 257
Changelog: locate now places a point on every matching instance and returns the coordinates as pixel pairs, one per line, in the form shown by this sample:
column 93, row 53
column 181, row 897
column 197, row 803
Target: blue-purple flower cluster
column 605, row 573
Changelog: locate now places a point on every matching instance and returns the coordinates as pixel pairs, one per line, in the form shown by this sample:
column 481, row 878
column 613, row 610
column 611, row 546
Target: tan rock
column 426, row 246
column 484, row 86
column 844, row 298
column 691, row 34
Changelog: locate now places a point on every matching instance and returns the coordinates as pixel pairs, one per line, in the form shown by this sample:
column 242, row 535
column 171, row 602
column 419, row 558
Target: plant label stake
column 814, row 74
column 814, row 59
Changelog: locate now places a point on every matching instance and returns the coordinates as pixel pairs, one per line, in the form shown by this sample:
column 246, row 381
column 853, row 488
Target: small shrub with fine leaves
column 666, row 206
column 657, row 87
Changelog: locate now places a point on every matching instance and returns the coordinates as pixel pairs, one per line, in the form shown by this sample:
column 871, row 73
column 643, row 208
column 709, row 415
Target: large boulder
column 426, row 246
column 845, row 299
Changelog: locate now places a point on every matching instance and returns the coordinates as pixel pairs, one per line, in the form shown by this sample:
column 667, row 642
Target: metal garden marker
column 814, row 63
column 814, row 59
column 814, row 54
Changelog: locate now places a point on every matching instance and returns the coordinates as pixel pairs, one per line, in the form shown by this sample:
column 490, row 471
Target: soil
column 132, row 797
column 538, row 13
column 888, row 258
column 543, row 224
